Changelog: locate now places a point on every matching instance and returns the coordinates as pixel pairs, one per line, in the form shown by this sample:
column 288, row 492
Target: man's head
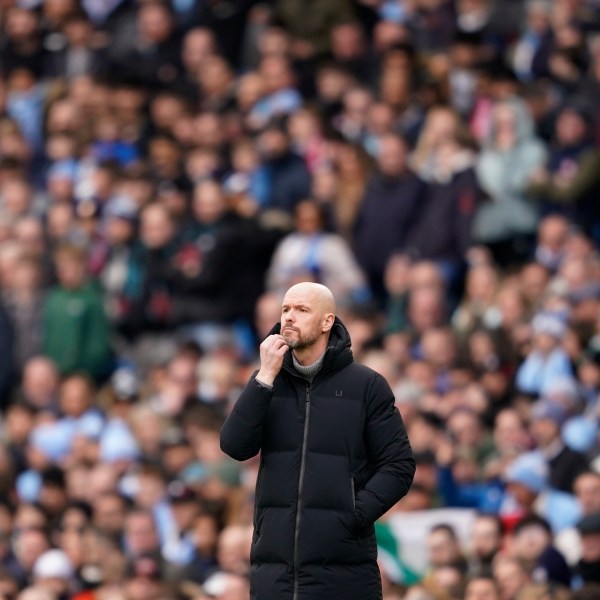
column 589, row 530
column 70, row 263
column 531, row 536
column 482, row 588
column 307, row 315
column 443, row 546
column 140, row 533
column 546, row 420
column 486, row 536
column 587, row 489
column 40, row 381
column 391, row 157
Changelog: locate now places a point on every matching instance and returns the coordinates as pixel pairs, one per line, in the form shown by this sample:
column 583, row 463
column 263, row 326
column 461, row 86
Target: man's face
column 302, row 319
column 587, row 490
column 486, row 537
column 481, row 589
column 442, row 548
column 590, row 547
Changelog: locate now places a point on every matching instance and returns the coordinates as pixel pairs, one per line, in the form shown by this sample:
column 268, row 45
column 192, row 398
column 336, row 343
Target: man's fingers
column 281, row 351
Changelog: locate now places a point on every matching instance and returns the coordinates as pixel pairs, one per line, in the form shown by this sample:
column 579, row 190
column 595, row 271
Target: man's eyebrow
column 299, row 305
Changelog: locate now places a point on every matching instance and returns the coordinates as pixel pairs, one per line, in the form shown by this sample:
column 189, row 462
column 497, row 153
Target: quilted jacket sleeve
column 390, row 453
column 241, row 434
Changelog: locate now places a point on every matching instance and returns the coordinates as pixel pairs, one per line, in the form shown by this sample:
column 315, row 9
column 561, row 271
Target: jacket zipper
column 300, row 486
column 353, row 493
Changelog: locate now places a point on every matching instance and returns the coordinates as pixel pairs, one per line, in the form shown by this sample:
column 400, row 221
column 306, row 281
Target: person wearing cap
column 177, row 521
column 335, row 456
column 564, row 464
column 54, row 571
column 588, row 567
column 547, row 359
column 527, row 492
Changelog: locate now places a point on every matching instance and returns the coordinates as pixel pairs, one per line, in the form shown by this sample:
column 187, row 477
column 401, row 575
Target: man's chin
column 291, row 343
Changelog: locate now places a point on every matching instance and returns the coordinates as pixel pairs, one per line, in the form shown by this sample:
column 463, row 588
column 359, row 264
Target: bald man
column 334, row 457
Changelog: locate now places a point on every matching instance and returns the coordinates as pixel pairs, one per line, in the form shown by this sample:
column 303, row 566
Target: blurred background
column 169, row 169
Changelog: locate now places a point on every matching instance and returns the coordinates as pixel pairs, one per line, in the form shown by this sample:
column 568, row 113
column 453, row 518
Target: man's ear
column 328, row 320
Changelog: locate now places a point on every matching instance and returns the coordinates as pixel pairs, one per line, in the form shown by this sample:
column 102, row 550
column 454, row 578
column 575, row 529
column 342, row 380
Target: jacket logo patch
column 339, row 393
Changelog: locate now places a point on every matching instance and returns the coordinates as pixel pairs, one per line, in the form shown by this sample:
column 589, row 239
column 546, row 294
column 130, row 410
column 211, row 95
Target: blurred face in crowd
column 347, row 41
column 166, row 109
column 465, row 427
column 40, row 381
column 332, row 84
column 250, row 89
column 439, row 348
column 553, row 234
column 267, row 313
column 486, row 537
column 205, row 533
column 140, row 534
column 481, row 589
column 482, row 282
column 209, row 202
column 590, row 547
column 154, row 23
column 119, row 231
column 198, row 44
column 426, row 309
column 75, row 396
column 276, row 72
column 544, row 431
column 511, row 577
column 587, row 489
column 534, row 280
column 70, row 269
column 26, row 277
column 357, row 102
column 28, row 546
column 391, row 156
column 529, row 543
column 209, row 127
column 308, row 218
column 16, row 197
column 571, row 128
column 234, row 548
column 273, row 143
column 109, row 514
column 510, row 435
column 21, row 24
column 442, row 547
column 29, row 231
column 144, row 586
column 157, row 228
column 215, row 76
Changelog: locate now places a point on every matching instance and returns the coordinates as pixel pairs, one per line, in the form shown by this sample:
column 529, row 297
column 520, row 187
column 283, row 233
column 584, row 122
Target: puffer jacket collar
column 337, row 356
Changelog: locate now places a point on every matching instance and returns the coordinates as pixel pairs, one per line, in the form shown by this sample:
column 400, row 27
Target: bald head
column 316, row 293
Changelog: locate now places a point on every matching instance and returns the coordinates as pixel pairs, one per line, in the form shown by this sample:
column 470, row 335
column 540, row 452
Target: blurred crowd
column 169, row 169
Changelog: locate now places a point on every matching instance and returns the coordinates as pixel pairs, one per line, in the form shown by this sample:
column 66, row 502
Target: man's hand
column 272, row 351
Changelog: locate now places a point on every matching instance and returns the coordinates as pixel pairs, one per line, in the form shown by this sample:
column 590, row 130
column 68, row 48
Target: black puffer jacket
column 335, row 457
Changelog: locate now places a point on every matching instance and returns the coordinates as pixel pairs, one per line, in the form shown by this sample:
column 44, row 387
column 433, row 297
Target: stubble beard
column 301, row 342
